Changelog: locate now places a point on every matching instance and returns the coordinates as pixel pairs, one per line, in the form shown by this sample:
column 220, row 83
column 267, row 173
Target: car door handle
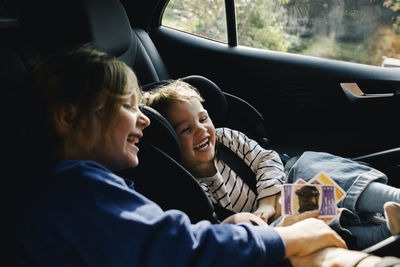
column 353, row 92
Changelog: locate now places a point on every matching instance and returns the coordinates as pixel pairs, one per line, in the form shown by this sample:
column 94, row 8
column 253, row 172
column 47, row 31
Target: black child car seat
column 44, row 26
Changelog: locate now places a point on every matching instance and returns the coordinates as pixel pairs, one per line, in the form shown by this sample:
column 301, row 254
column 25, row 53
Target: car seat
column 39, row 28
column 247, row 120
column 225, row 109
column 42, row 30
column 160, row 177
column 162, row 135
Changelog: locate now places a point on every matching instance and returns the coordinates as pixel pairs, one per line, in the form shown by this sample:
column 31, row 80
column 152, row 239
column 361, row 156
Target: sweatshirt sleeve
column 266, row 164
column 89, row 220
column 179, row 243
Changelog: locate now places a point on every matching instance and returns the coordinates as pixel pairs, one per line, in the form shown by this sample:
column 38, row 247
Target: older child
column 75, row 211
column 182, row 105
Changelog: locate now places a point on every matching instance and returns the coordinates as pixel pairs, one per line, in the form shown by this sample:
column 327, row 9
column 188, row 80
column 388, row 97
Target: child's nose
column 143, row 120
column 201, row 128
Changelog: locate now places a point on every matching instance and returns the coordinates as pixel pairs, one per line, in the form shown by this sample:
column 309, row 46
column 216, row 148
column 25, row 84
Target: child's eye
column 130, row 107
column 127, row 106
column 203, row 118
column 185, row 130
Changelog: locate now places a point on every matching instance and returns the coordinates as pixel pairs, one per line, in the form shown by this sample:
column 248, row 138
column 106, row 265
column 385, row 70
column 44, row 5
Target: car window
column 361, row 31
column 205, row 18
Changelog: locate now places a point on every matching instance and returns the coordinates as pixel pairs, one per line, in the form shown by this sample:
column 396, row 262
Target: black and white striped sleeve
column 266, row 164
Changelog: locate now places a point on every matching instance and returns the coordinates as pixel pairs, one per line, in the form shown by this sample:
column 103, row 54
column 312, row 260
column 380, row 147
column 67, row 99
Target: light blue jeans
column 366, row 193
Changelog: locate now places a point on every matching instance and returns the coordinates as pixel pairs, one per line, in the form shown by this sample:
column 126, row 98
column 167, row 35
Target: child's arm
column 266, row 164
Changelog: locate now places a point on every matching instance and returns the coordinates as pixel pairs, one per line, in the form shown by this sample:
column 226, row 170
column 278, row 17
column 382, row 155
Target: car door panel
column 300, row 97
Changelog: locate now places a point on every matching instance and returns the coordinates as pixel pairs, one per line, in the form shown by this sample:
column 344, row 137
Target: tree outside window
column 362, row 31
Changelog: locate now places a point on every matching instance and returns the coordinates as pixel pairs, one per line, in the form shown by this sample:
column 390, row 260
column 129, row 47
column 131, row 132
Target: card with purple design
column 323, row 178
column 300, row 197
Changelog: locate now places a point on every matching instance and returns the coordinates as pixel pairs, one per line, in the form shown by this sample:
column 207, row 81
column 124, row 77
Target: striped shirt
column 227, row 189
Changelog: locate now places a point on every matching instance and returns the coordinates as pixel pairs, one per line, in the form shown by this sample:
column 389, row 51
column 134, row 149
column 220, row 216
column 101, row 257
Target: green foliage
column 352, row 30
column 201, row 17
column 260, row 24
column 392, row 4
column 395, row 6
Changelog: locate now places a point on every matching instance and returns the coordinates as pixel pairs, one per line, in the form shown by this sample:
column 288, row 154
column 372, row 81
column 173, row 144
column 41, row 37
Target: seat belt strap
column 238, row 165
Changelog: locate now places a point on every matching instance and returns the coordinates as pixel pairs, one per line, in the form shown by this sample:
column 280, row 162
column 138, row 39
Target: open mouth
column 203, row 145
column 133, row 139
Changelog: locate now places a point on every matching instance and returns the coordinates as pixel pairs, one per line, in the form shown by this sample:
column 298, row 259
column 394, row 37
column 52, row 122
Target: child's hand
column 266, row 208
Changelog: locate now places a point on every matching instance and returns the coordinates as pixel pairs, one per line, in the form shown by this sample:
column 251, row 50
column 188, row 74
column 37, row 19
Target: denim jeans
column 354, row 178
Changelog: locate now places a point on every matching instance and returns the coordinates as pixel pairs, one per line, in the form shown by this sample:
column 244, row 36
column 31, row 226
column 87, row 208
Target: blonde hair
column 177, row 90
column 94, row 82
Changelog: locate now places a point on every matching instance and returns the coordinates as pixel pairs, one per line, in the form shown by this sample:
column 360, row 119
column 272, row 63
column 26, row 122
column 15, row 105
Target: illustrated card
column 299, row 198
column 300, row 181
column 323, row 179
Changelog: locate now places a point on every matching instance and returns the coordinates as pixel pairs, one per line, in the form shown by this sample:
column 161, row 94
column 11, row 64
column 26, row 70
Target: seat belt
column 238, row 165
column 241, row 169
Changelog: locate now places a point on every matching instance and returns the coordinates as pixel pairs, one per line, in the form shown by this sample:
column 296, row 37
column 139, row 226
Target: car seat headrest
column 63, row 23
column 161, row 134
column 215, row 102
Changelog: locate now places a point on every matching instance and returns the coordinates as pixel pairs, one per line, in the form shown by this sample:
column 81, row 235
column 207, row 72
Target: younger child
column 182, row 105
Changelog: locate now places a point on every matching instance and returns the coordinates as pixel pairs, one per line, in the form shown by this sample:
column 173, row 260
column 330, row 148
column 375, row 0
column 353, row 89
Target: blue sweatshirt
column 80, row 213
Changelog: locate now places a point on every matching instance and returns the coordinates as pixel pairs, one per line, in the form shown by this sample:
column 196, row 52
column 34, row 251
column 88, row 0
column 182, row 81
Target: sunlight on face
column 118, row 150
column 196, row 133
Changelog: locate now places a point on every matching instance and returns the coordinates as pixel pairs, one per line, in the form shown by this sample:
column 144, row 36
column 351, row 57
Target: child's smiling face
column 196, row 133
column 118, row 149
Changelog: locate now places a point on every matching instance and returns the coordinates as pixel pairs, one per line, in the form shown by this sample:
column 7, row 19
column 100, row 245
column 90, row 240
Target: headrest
column 215, row 102
column 161, row 134
column 214, row 99
column 57, row 24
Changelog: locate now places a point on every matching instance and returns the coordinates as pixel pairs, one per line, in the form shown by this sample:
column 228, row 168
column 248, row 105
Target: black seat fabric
column 163, row 180
column 215, row 100
column 45, row 26
column 144, row 59
column 161, row 134
column 217, row 106
column 226, row 110
column 59, row 24
column 104, row 24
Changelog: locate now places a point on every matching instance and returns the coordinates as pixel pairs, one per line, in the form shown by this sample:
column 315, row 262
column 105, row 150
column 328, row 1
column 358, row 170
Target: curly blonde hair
column 176, row 90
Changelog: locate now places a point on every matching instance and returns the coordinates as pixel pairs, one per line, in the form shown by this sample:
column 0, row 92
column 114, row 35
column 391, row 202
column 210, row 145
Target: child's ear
column 64, row 118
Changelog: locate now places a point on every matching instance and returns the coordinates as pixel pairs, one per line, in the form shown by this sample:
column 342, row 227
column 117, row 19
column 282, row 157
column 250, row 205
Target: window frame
column 233, row 39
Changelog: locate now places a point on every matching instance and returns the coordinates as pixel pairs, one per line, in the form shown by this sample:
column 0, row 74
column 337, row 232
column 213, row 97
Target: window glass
column 362, row 31
column 261, row 24
column 205, row 18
